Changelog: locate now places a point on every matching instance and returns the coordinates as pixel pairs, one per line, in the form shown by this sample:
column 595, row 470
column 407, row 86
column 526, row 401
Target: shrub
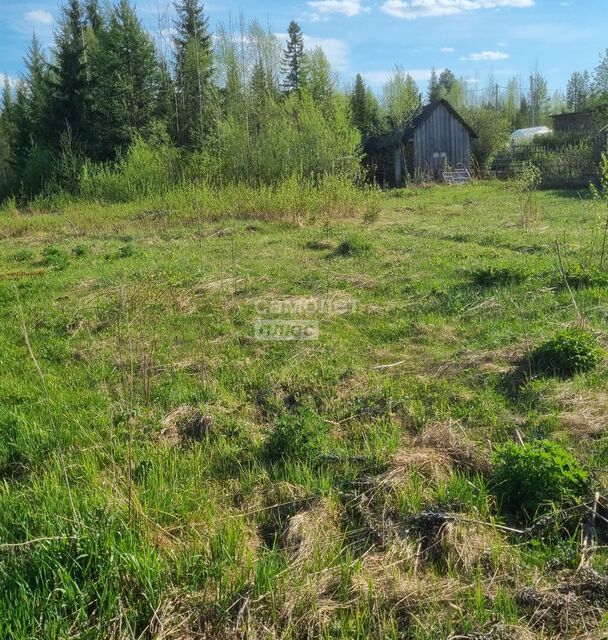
column 496, row 276
column 80, row 250
column 531, row 477
column 353, row 246
column 581, row 276
column 54, row 257
column 568, row 352
column 147, row 168
column 23, row 255
column 296, row 437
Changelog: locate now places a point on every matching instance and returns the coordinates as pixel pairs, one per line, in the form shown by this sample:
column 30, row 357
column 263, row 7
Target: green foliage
column 400, row 97
column 493, row 129
column 364, row 107
column 567, row 353
column 293, row 59
column 293, row 137
column 353, row 246
column 128, row 78
column 55, row 257
column 497, row 275
column 70, row 96
column 528, row 479
column 147, row 168
column 584, row 275
column 526, row 182
column 571, row 165
column 195, row 94
column 296, row 437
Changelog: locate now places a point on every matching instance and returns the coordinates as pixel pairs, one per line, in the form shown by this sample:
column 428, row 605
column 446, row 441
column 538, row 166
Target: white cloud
column 337, row 51
column 413, row 9
column 379, row 78
column 323, row 8
column 447, row 49
column 39, row 16
column 486, row 55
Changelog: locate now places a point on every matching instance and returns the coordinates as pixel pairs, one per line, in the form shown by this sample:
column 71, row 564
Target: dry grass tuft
column 585, row 412
column 315, row 531
column 496, row 361
column 186, row 423
column 392, row 579
column 431, row 464
column 449, row 439
column 465, row 546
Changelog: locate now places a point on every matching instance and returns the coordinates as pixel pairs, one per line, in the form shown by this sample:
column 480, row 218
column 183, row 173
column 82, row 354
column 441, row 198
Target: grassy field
column 168, row 474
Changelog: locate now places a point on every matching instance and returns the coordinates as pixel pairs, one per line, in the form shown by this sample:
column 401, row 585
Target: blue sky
column 472, row 37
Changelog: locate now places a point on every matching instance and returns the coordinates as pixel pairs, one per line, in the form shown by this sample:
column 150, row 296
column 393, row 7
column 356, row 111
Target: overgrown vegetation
column 568, row 352
column 190, row 479
column 537, row 477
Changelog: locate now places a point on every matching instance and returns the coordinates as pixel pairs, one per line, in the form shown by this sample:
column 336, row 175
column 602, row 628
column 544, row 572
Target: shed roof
column 588, row 112
column 425, row 113
column 403, row 134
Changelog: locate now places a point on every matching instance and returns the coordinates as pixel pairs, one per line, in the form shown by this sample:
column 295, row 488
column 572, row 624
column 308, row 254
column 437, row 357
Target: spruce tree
column 364, row 107
column 293, row 59
column 578, row 90
column 434, row 91
column 6, row 138
column 69, row 83
column 7, row 121
column 128, row 81
column 446, row 81
column 94, row 18
column 38, row 98
column 539, row 99
column 166, row 103
column 196, row 96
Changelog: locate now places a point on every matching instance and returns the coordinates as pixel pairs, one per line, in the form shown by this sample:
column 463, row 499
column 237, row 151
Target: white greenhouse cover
column 525, row 135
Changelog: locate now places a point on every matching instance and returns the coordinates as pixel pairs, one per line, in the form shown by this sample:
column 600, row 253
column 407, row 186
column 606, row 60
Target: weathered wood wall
column 441, row 133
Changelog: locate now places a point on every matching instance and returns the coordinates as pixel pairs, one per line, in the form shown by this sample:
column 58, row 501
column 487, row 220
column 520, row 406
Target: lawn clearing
column 169, row 474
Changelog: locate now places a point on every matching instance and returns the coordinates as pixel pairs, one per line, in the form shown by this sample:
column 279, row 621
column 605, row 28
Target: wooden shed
column 434, row 138
column 582, row 123
column 576, row 122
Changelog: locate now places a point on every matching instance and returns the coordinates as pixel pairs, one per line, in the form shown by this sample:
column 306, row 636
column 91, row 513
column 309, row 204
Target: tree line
column 236, row 105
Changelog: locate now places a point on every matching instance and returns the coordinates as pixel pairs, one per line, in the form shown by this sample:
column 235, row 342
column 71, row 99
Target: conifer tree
column 196, row 99
column 578, row 91
column 364, row 107
column 6, row 134
column 94, row 18
column 38, row 99
column 539, row 98
column 7, row 120
column 127, row 74
column 70, row 103
column 446, row 81
column 293, row 59
column 434, row 88
column 166, row 103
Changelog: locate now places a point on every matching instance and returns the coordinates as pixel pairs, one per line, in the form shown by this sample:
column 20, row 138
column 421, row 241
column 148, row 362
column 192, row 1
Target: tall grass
column 153, row 174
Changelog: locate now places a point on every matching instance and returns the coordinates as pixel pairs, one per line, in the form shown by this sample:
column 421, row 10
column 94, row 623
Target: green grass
column 303, row 512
